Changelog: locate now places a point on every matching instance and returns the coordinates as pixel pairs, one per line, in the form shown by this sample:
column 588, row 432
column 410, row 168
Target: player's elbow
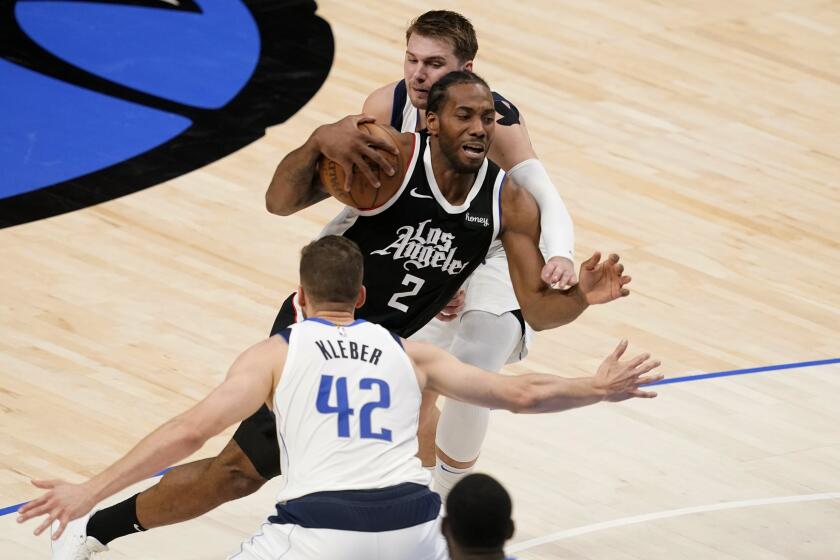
column 524, row 397
column 536, row 318
column 541, row 316
column 276, row 206
column 190, row 436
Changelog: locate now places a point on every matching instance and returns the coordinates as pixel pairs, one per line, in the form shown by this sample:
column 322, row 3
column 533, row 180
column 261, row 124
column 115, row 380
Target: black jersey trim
column 509, row 112
column 400, row 96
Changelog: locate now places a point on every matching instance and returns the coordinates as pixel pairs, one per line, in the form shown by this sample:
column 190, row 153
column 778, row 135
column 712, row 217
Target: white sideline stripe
column 568, row 533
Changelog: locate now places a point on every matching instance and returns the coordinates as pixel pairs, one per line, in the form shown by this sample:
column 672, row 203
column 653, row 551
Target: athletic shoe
column 74, row 543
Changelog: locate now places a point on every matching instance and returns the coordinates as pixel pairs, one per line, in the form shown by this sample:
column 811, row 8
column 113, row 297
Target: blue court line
column 11, row 509
column 14, row 508
column 731, row 372
column 683, row 379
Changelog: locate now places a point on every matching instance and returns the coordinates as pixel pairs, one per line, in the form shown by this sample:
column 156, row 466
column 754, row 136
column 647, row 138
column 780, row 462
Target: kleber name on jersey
column 423, row 247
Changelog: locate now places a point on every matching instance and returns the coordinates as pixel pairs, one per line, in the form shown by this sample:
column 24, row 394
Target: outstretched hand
column 620, row 380
column 602, row 282
column 63, row 502
column 348, row 145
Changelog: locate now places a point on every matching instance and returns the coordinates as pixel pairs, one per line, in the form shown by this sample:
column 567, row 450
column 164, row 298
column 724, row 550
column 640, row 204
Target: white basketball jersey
column 347, row 407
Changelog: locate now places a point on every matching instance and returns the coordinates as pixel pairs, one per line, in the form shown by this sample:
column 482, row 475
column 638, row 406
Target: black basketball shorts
column 257, row 435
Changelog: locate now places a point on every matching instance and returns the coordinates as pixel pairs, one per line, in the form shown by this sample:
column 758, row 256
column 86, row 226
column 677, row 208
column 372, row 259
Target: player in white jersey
column 490, row 329
column 346, row 395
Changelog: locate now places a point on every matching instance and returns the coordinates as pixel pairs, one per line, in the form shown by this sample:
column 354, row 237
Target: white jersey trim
column 410, row 114
column 445, row 204
column 497, row 206
column 348, row 215
column 408, row 173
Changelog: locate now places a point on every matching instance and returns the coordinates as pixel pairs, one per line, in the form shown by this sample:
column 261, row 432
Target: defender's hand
column 559, row 272
column 455, row 306
column 602, row 282
column 63, row 502
column 620, row 380
column 344, row 143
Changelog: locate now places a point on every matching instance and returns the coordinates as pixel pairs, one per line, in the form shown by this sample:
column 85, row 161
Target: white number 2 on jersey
column 409, row 280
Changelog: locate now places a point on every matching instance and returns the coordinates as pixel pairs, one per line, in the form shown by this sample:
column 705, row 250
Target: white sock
column 446, row 477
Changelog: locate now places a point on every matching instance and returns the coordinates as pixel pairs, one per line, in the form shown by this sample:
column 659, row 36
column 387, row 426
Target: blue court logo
column 101, row 98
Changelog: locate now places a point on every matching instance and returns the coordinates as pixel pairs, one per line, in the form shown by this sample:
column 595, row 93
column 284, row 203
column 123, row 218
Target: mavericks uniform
column 418, row 250
column 347, row 407
column 490, row 286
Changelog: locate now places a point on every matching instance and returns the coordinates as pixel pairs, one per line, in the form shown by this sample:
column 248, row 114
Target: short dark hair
column 438, row 95
column 331, row 270
column 452, row 26
column 478, row 511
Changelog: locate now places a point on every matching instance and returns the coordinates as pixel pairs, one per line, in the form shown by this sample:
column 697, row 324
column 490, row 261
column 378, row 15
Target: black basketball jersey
column 418, row 248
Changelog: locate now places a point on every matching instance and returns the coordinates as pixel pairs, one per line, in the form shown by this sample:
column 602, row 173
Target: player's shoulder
column 380, row 103
column 405, row 140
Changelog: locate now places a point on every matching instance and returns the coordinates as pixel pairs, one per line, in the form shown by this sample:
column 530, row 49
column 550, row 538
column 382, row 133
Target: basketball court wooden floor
column 700, row 139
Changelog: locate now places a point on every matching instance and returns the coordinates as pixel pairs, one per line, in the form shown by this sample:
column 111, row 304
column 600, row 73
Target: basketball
column 362, row 194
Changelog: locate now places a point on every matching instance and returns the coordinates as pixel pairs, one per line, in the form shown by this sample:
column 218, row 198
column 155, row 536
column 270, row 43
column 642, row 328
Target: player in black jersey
column 463, row 205
column 483, row 324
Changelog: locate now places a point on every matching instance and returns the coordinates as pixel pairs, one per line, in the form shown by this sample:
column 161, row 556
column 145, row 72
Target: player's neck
column 454, row 185
column 334, row 317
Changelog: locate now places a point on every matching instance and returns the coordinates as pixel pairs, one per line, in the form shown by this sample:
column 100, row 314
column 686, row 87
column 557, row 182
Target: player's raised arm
column 513, row 152
column 295, row 184
column 248, row 385
column 615, row 380
column 543, row 307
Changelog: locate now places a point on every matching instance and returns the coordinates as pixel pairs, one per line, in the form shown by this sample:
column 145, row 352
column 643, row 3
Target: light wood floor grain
column 700, row 139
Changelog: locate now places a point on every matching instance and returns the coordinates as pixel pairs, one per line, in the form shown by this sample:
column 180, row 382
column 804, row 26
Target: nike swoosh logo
column 443, row 468
column 413, row 192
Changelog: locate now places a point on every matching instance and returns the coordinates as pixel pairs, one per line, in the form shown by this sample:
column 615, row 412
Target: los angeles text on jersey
column 424, row 246
column 347, row 349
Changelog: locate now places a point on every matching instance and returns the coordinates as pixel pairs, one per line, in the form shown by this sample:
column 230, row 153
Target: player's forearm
column 549, row 308
column 555, row 222
column 293, row 187
column 170, row 443
column 550, row 393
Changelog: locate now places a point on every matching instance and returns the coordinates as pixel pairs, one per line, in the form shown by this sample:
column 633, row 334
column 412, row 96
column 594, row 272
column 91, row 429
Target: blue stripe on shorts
column 370, row 511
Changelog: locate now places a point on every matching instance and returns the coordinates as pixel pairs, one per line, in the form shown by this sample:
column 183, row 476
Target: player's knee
column 462, row 430
column 234, row 475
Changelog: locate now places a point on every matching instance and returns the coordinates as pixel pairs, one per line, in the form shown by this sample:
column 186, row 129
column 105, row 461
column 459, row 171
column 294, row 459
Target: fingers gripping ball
column 362, row 194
